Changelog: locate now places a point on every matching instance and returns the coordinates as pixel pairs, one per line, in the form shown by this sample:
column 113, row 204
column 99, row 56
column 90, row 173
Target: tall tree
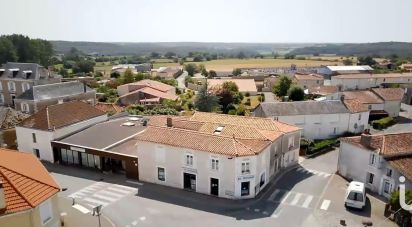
column 296, row 93
column 128, row 76
column 7, row 50
column 205, row 101
column 191, row 69
column 282, row 86
column 368, row 60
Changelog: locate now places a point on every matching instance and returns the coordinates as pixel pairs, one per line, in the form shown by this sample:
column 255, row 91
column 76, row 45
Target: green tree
column 84, row 66
column 347, row 61
column 170, row 55
column 128, row 77
column 191, row 69
column 282, row 86
column 212, row 73
column 395, row 204
column 206, row 101
column 296, row 93
column 7, row 50
column 230, row 86
column 368, row 60
column 236, row 72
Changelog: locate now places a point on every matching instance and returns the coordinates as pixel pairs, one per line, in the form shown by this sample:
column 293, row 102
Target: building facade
column 16, row 78
column 377, row 160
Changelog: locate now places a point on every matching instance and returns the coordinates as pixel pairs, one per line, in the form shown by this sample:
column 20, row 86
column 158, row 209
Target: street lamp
column 97, row 212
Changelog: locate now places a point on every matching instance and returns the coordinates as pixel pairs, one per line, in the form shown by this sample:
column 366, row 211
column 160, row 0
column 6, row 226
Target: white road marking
column 273, row 195
column 265, row 213
column 307, row 201
column 325, row 205
column 110, row 193
column 81, row 208
column 134, row 223
column 286, row 197
column 276, row 214
column 296, row 199
column 119, row 190
column 134, row 182
column 110, row 199
column 142, row 218
column 95, row 201
column 257, row 210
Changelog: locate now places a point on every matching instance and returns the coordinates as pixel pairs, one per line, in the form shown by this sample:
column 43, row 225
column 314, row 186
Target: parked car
column 355, row 195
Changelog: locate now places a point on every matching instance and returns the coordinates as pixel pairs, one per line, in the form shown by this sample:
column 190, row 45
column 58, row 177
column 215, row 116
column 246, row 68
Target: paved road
column 181, row 80
column 308, row 195
column 404, row 121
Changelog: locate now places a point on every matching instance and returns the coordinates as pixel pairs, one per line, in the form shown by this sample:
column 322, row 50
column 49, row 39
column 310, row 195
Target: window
column 359, row 117
column 245, row 168
column 12, row 86
column 291, row 142
column 33, row 135
column 275, row 118
column 25, row 87
column 369, row 107
column 46, row 213
column 24, row 107
column 36, row 152
column 244, row 188
column 370, row 177
column 262, row 180
column 387, row 187
column 1, row 98
column 161, row 174
column 388, row 172
column 1, row 86
column 215, row 164
column 355, row 196
column 372, row 159
column 189, row 160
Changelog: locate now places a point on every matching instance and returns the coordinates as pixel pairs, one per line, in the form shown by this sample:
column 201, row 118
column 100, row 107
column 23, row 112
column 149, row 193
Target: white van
column 355, row 195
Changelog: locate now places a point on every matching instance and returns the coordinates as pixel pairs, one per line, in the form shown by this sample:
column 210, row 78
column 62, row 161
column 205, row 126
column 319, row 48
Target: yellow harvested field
column 230, row 64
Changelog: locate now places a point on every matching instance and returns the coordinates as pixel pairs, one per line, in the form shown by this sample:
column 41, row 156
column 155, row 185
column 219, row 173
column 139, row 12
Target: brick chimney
column 2, row 197
column 169, row 122
column 366, row 139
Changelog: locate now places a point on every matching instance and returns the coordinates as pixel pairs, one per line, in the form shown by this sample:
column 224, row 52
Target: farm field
column 230, row 64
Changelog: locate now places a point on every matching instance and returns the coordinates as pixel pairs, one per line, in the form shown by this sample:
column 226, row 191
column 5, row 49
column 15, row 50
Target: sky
column 269, row 21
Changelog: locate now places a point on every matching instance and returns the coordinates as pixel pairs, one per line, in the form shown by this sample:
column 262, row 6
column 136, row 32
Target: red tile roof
column 61, row 115
column 26, row 182
column 366, row 97
column 308, row 77
column 323, row 90
column 152, row 92
column 355, row 106
column 389, row 94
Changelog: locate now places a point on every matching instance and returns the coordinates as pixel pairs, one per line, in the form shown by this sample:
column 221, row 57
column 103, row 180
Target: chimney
column 366, row 140
column 169, row 122
column 342, row 97
column 2, row 197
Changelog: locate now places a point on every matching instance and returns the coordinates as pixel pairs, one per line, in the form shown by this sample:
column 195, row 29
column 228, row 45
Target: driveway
column 269, row 97
column 308, row 195
column 181, row 80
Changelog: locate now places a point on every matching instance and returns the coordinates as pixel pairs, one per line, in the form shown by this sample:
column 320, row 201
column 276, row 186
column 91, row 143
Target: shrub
column 232, row 112
column 247, row 94
column 321, row 145
column 248, row 103
column 383, row 123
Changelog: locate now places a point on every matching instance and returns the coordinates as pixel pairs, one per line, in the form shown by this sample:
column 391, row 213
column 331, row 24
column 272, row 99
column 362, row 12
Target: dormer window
column 27, row 74
column 218, row 130
column 14, row 72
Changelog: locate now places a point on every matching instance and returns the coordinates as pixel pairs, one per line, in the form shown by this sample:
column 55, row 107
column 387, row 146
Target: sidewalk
column 75, row 218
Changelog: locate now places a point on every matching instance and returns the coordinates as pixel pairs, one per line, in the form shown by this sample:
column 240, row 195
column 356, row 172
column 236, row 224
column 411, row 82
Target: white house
column 380, row 101
column 35, row 133
column 366, row 81
column 319, row 119
column 377, row 160
column 344, row 69
column 222, row 155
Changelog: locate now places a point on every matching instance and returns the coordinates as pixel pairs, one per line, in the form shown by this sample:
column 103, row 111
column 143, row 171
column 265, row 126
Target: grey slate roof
column 36, row 69
column 48, row 91
column 302, row 108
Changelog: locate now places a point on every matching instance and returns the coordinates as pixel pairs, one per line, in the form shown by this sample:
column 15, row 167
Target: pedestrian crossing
column 314, row 172
column 292, row 198
column 101, row 193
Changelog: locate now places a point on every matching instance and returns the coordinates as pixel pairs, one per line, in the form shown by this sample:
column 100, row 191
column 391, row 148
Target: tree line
column 19, row 48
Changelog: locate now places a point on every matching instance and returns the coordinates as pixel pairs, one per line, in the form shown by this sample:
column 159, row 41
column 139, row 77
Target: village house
column 244, row 85
column 16, row 78
column 35, row 133
column 407, row 67
column 308, row 80
column 323, row 92
column 223, row 155
column 381, row 102
column 28, row 194
column 146, row 92
column 366, row 81
column 377, row 160
column 166, row 72
column 331, row 71
column 318, row 119
column 40, row 96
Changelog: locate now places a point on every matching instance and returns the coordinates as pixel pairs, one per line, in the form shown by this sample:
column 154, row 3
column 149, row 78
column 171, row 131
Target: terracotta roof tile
column 389, row 94
column 308, row 77
column 61, row 115
column 153, row 92
column 109, row 107
column 366, row 97
column 24, row 187
column 355, row 106
column 153, row 84
column 403, row 165
column 323, row 90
